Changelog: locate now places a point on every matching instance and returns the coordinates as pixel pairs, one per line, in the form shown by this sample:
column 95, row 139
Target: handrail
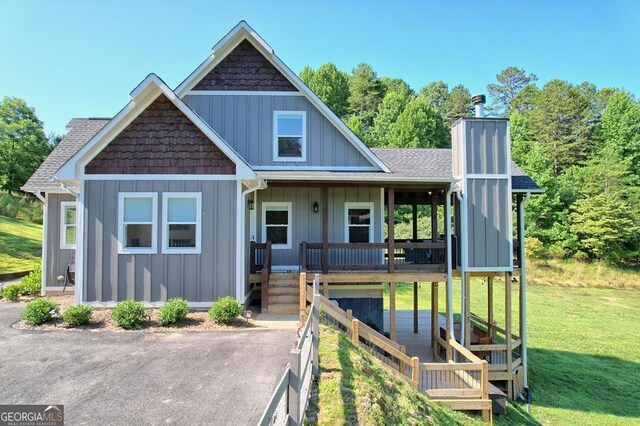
column 266, row 271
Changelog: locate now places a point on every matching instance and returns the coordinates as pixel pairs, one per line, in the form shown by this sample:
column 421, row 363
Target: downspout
column 447, row 215
column 260, row 184
column 463, row 266
column 523, row 298
column 43, row 264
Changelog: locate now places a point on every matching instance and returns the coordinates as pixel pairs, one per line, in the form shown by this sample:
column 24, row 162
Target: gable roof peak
column 242, row 30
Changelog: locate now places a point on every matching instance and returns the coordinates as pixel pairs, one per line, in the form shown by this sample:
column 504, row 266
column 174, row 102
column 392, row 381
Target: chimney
column 478, row 104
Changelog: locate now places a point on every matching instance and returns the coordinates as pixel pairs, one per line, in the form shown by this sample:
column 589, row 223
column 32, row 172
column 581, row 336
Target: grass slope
column 584, row 348
column 355, row 388
column 20, row 245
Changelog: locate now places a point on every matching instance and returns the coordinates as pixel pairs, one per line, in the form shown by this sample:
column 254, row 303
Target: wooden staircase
column 283, row 293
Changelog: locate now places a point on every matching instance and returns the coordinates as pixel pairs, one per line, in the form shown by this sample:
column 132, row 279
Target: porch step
column 283, row 309
column 275, row 291
column 289, row 299
column 293, row 286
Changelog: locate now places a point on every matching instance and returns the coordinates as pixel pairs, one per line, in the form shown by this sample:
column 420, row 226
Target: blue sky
column 82, row 58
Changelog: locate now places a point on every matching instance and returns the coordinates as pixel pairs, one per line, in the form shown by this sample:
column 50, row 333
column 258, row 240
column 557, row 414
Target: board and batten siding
column 204, row 277
column 307, row 225
column 57, row 258
column 246, row 123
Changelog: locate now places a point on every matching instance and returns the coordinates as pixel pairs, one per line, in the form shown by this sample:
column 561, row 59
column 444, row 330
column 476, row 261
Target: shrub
column 32, row 283
column 225, row 310
column 173, row 312
column 581, row 257
column 21, row 207
column 12, row 292
column 77, row 315
column 534, row 248
column 557, row 252
column 128, row 314
column 39, row 311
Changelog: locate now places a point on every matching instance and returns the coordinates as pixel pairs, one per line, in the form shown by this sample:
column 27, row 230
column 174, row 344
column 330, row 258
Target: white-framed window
column 68, row 225
column 276, row 224
column 358, row 224
column 181, row 222
column 289, row 135
column 137, row 222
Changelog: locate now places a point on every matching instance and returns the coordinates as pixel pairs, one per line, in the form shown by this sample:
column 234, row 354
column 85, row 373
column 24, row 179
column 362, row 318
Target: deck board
column 417, row 344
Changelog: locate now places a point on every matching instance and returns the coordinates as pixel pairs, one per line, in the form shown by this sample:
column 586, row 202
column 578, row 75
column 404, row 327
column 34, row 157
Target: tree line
column 580, row 143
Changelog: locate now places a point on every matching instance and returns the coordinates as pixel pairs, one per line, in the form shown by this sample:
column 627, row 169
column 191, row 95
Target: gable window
column 358, row 222
column 289, row 139
column 68, row 225
column 276, row 224
column 181, row 222
column 138, row 213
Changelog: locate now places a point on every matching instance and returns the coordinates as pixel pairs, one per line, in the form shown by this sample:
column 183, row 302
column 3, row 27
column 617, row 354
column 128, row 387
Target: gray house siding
column 307, row 225
column 246, row 123
column 204, row 277
column 57, row 258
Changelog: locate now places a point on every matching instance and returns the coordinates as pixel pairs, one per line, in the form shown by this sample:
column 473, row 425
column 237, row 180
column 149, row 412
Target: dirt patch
column 101, row 321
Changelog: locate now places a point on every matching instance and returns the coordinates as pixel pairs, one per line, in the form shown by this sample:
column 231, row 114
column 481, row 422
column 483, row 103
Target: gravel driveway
column 142, row 378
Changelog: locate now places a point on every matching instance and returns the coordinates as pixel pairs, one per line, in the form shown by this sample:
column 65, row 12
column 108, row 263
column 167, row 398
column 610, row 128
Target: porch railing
column 404, row 256
column 500, row 357
column 260, row 261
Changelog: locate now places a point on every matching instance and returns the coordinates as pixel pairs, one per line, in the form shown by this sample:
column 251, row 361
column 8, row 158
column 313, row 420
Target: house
column 240, row 178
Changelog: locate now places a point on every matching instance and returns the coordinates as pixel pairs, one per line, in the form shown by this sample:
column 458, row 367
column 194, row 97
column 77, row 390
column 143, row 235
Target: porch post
column 467, row 309
column 391, row 209
column 490, row 305
column 415, row 284
column 392, row 310
column 507, row 318
column 435, row 323
column 434, row 218
column 325, row 229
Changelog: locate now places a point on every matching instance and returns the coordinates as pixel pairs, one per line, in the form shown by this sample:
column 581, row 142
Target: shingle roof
column 406, row 164
column 80, row 131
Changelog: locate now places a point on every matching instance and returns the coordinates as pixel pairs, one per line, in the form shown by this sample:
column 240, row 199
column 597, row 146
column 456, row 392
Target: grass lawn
column 584, row 345
column 355, row 388
column 20, row 244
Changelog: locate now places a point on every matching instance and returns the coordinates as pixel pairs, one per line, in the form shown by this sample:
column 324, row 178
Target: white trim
column 352, row 178
column 142, row 96
column 240, row 93
column 71, row 290
column 154, row 224
column 528, row 191
column 491, row 268
column 276, row 135
column 165, row 223
column 267, row 205
column 510, row 196
column 80, row 249
column 354, row 205
column 45, row 248
column 64, row 205
column 315, row 168
column 243, row 31
column 488, row 176
column 112, row 304
column 159, row 177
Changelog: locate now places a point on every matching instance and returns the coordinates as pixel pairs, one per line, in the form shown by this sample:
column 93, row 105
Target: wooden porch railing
column 260, row 260
column 497, row 352
column 462, row 383
column 404, row 256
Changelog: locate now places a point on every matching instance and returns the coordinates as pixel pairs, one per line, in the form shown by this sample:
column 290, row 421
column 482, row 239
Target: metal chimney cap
column 479, row 99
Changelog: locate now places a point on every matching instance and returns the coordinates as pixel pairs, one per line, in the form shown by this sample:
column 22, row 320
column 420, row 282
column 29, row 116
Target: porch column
column 490, row 306
column 391, row 209
column 467, row 309
column 415, row 284
column 435, row 323
column 392, row 310
column 507, row 318
column 325, row 229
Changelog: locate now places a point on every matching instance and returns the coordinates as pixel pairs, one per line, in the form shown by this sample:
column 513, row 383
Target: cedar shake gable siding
column 161, row 140
column 245, row 69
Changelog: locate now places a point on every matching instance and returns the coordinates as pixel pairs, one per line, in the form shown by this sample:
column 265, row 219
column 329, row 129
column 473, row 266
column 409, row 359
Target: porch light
column 251, row 205
column 316, row 207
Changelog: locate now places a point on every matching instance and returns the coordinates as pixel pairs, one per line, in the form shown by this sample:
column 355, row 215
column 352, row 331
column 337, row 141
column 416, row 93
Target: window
column 68, row 225
column 289, row 136
column 358, row 223
column 276, row 224
column 138, row 213
column 181, row 225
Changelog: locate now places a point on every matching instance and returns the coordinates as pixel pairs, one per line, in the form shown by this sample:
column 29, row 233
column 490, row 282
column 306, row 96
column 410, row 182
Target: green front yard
column 20, row 245
column 584, row 349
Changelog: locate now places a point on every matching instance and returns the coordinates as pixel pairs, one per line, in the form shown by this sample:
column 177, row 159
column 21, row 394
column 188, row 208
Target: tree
column 23, row 144
column 510, row 82
column 458, row 104
column 418, row 126
column 365, row 95
column 620, row 128
column 390, row 84
column 437, row 93
column 330, row 84
column 390, row 109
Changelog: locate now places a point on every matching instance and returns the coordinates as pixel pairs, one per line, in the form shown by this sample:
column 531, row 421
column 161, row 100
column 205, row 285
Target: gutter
column 449, row 261
column 523, row 301
column 463, row 265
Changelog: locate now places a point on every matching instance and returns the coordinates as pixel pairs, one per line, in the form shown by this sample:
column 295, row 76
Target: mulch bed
column 101, row 321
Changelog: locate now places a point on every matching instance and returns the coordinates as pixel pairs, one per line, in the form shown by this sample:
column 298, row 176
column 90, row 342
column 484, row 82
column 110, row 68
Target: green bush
column 39, row 311
column 225, row 310
column 77, row 315
column 173, row 312
column 12, row 292
column 581, row 257
column 32, row 283
column 22, row 207
column 128, row 314
column 534, row 248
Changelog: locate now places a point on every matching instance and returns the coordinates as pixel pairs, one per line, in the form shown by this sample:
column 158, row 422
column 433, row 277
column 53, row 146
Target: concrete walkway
column 142, row 378
column 417, row 344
